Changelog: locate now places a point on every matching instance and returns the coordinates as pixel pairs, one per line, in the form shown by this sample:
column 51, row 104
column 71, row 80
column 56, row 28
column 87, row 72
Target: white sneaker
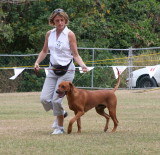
column 58, row 131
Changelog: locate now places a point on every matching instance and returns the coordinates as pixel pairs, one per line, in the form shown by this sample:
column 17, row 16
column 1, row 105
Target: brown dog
column 80, row 101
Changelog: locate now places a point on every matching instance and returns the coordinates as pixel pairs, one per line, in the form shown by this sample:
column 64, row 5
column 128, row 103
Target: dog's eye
column 63, row 86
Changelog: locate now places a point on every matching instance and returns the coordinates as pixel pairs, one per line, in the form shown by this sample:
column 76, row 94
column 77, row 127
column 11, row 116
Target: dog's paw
column 69, row 131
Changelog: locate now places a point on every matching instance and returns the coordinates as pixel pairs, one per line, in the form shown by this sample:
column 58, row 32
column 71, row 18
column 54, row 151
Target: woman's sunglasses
column 58, row 11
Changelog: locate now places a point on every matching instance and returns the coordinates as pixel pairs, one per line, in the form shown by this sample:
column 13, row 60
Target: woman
column 61, row 42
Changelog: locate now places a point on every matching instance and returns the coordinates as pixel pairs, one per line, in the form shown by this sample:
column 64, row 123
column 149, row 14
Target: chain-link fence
column 102, row 76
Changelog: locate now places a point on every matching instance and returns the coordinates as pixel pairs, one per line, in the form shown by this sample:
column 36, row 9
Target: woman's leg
column 57, row 106
column 47, row 93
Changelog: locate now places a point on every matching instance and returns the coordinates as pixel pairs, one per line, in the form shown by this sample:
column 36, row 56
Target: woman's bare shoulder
column 48, row 33
column 71, row 34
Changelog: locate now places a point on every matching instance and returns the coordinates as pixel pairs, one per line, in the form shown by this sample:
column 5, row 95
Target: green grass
column 25, row 127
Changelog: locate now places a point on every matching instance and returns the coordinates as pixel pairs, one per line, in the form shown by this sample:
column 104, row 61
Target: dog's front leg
column 78, row 123
column 77, row 116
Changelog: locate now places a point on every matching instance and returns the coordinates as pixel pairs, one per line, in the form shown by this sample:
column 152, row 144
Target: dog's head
column 63, row 88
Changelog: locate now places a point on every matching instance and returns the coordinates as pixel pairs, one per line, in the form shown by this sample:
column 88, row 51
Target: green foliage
column 109, row 24
column 27, row 23
column 118, row 24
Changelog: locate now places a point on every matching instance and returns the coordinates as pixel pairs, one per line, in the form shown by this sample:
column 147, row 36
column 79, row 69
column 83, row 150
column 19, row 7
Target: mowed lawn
column 25, row 127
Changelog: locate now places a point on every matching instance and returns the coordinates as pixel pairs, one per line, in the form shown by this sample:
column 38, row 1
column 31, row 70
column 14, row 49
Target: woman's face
column 59, row 22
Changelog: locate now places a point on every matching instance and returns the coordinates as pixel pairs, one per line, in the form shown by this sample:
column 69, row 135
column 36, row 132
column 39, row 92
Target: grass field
column 25, row 127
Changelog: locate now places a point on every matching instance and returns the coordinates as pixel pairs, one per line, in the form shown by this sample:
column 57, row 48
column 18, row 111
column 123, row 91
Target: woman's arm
column 43, row 52
column 76, row 56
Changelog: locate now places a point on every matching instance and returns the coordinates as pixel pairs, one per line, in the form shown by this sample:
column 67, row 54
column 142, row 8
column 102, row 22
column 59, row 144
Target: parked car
column 141, row 78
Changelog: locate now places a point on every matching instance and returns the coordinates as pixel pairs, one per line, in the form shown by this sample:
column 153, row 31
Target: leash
column 36, row 72
column 72, row 70
column 80, row 78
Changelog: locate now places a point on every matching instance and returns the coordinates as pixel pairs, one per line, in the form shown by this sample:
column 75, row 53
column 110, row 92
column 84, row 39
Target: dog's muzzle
column 60, row 94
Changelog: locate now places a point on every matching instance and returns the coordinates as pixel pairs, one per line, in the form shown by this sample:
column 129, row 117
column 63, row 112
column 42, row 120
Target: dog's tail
column 118, row 81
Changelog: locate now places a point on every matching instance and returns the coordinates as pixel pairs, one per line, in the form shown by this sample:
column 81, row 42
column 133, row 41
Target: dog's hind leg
column 112, row 113
column 100, row 110
column 79, row 125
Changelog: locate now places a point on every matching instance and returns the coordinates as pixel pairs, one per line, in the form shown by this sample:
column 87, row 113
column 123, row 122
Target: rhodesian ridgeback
column 80, row 101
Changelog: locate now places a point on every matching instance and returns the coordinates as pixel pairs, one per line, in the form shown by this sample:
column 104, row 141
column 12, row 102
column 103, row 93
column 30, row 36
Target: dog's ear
column 71, row 86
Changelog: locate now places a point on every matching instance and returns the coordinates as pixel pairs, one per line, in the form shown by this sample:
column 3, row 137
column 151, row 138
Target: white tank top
column 60, row 52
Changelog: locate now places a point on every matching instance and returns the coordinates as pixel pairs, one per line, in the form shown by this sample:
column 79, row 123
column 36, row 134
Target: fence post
column 130, row 67
column 92, row 83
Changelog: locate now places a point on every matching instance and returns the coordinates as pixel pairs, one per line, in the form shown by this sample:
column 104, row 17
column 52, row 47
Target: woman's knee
column 44, row 99
column 46, row 103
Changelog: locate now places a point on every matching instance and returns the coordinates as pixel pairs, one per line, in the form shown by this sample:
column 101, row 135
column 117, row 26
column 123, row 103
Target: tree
column 96, row 23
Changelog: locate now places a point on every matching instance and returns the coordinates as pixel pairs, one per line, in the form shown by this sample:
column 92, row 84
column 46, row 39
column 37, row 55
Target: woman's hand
column 85, row 69
column 36, row 67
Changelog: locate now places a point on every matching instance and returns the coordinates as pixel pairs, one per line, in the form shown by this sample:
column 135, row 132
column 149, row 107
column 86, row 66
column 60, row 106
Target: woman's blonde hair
column 59, row 12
